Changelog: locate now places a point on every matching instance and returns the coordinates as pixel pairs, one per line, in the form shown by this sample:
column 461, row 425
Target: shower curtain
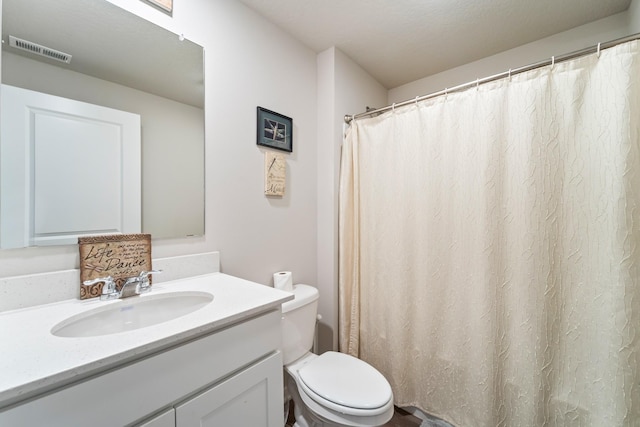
column 489, row 262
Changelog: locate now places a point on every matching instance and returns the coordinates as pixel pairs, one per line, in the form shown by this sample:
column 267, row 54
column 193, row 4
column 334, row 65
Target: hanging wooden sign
column 120, row 256
column 275, row 167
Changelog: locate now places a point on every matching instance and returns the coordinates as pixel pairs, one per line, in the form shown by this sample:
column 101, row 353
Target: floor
column 400, row 419
column 403, row 419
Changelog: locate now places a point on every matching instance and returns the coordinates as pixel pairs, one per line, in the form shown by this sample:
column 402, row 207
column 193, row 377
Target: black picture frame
column 274, row 130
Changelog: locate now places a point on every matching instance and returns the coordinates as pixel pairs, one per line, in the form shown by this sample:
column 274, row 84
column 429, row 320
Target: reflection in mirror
column 123, row 62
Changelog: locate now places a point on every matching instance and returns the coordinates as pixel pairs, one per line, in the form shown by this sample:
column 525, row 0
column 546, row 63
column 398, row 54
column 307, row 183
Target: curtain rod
column 554, row 59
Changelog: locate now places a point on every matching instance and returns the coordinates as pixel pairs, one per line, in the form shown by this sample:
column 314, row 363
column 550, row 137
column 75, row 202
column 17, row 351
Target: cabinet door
column 165, row 419
column 253, row 397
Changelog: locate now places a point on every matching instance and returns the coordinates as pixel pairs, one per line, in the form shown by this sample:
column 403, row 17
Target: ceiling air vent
column 39, row 49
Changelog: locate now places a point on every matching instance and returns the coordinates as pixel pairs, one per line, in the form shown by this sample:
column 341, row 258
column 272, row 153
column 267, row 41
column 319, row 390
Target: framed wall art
column 164, row 5
column 275, row 130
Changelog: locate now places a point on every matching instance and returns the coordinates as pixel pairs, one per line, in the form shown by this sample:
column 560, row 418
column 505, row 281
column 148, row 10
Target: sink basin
column 132, row 313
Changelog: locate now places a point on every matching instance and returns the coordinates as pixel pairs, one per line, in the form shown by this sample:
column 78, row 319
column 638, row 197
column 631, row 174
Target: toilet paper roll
column 283, row 280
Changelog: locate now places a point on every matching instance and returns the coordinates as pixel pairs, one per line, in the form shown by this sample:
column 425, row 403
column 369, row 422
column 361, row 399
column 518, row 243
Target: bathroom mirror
column 121, row 61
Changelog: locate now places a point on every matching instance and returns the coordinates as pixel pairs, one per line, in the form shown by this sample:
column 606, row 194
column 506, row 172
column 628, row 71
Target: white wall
column 588, row 35
column 343, row 87
column 248, row 62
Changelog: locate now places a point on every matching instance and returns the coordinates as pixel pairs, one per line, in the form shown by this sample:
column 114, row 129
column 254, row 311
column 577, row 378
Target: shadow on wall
column 325, row 338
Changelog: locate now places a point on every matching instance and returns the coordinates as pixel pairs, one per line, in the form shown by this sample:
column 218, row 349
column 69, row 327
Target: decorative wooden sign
column 120, row 256
column 275, row 167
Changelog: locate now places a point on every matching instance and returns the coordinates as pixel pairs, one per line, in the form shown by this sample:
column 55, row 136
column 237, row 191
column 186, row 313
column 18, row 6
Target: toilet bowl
column 331, row 389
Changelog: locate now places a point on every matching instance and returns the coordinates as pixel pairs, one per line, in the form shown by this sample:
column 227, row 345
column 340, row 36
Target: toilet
column 332, row 389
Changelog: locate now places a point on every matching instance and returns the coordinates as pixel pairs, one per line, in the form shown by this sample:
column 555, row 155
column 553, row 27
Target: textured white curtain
column 489, row 262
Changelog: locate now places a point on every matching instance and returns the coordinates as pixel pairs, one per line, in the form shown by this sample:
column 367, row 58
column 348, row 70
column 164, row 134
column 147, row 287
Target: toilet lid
column 346, row 381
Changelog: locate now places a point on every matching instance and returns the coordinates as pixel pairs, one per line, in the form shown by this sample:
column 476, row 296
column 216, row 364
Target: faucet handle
column 144, row 285
column 108, row 289
column 148, row 273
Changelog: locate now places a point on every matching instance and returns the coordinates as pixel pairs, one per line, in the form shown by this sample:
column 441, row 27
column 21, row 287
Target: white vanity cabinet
column 230, row 377
column 245, row 399
column 164, row 419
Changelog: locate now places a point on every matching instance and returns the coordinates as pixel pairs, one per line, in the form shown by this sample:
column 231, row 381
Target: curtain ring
column 417, row 100
column 393, row 107
column 553, row 61
column 477, row 84
column 598, row 52
column 509, row 74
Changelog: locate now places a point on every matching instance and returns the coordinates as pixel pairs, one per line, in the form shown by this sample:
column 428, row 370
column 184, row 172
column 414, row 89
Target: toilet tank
column 299, row 322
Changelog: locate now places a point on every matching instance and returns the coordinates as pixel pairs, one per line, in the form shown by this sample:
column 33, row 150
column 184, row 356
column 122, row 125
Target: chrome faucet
column 135, row 285
column 109, row 290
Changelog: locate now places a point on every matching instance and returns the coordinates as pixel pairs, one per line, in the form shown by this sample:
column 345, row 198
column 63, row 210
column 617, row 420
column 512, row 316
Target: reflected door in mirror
column 64, row 165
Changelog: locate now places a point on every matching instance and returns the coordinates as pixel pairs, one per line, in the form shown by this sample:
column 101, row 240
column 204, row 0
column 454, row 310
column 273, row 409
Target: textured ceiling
column 399, row 41
column 109, row 43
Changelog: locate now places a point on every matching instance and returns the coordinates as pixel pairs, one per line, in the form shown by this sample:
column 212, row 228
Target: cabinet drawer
column 129, row 393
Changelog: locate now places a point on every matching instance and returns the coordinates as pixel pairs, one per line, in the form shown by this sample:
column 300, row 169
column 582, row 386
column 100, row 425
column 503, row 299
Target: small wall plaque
column 120, row 256
column 275, row 170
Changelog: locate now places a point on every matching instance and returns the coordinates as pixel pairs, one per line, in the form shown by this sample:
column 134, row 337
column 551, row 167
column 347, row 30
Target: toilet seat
column 345, row 384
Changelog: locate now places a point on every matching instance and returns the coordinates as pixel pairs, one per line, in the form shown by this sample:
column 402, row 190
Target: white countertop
column 33, row 360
